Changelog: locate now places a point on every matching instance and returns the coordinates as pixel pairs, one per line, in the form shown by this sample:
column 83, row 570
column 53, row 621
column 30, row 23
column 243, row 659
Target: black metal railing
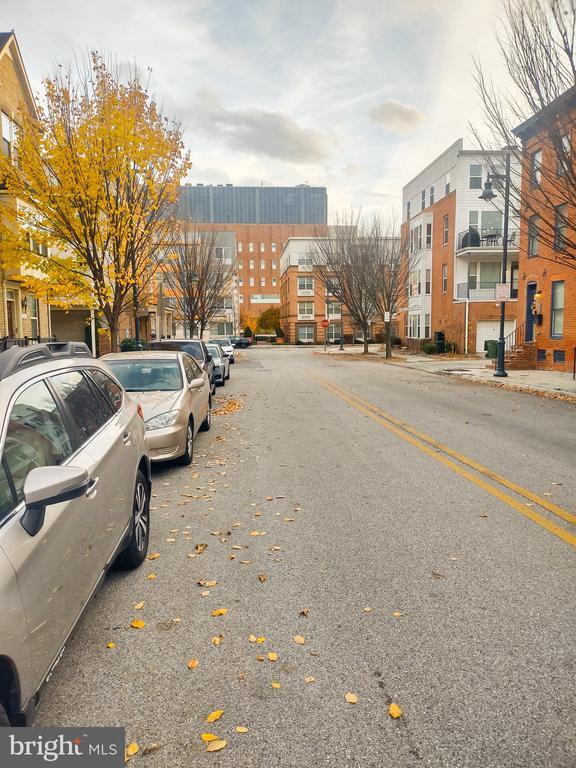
column 516, row 338
column 475, row 237
column 26, row 341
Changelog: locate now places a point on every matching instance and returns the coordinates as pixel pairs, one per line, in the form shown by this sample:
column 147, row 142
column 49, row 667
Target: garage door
column 490, row 329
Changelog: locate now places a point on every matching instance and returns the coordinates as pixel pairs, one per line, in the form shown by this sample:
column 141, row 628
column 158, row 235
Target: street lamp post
column 135, row 300
column 488, row 195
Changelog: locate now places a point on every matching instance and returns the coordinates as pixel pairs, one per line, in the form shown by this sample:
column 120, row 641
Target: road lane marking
column 419, row 441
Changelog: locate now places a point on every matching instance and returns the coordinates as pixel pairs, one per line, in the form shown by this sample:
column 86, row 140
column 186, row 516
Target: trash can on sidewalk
column 440, row 341
column 491, row 349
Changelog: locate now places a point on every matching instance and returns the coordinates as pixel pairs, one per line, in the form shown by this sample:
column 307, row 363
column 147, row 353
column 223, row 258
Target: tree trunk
column 365, row 334
column 388, row 339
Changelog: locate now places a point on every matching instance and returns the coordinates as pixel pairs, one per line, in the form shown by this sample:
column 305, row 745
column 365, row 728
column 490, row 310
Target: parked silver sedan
column 221, row 363
column 175, row 395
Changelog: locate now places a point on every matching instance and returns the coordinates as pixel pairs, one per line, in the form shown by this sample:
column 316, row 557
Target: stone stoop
column 522, row 358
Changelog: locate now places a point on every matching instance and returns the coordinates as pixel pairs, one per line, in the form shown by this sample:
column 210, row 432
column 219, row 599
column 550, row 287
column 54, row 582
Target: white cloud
column 395, row 116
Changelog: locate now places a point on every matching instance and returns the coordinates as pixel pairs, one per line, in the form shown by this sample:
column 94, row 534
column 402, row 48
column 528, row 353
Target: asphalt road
column 472, row 621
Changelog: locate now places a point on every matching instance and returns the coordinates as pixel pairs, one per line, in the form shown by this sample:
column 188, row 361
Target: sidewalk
column 478, row 370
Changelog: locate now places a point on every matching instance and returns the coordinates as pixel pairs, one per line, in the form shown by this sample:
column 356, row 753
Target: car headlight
column 161, row 421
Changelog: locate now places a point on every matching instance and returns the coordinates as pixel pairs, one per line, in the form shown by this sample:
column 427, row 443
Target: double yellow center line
column 459, row 463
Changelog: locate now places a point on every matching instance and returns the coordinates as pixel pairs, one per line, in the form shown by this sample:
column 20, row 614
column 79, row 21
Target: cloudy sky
column 357, row 96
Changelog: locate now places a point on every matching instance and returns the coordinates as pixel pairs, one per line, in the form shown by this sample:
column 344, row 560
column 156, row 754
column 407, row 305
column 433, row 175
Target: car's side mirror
column 196, row 383
column 45, row 486
column 208, row 358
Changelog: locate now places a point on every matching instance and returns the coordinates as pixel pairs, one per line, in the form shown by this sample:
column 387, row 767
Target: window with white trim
column 305, row 284
column 273, row 263
column 239, row 262
column 428, row 282
column 273, row 247
column 239, row 247
column 414, row 326
column 429, row 235
column 445, row 229
column 251, row 247
column 251, row 282
column 333, row 309
column 262, row 264
column 273, row 282
column 251, row 264
column 262, row 247
column 262, row 282
column 306, row 333
column 426, row 326
column 305, row 310
column 444, row 278
column 475, row 176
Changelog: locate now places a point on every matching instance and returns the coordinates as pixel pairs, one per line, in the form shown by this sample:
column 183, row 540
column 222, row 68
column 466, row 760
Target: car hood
column 155, row 403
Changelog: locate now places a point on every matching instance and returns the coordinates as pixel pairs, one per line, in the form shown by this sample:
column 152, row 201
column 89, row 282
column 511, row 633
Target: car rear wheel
column 207, row 423
column 228, row 374
column 4, row 720
column 186, row 458
column 135, row 552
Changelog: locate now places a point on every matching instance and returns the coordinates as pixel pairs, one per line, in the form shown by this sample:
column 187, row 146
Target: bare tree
column 343, row 266
column 391, row 263
column 199, row 270
column 537, row 45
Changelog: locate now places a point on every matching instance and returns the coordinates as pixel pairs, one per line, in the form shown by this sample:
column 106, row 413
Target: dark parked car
column 194, row 347
column 240, row 342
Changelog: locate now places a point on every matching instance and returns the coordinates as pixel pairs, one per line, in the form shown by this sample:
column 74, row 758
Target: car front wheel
column 186, row 458
column 207, row 423
column 137, row 547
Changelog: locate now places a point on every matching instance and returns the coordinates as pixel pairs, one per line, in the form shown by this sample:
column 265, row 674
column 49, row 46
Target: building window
column 557, row 318
column 305, row 284
column 565, row 156
column 240, row 282
column 475, row 176
column 541, row 355
column 533, row 231
column 423, row 199
column 274, row 282
column 428, row 235
column 559, row 356
column 262, row 247
column 447, row 187
column 251, row 281
column 431, row 195
column 32, row 311
column 414, row 326
column 262, row 264
column 239, row 262
column 333, row 309
column 334, row 332
column 444, row 278
column 536, row 168
column 445, row 226
column 9, row 128
column 241, row 299
column 514, row 280
column 251, row 247
column 560, row 227
column 428, row 282
column 239, row 247
column 408, row 211
column 415, row 286
column 273, row 263
column 306, row 333
column 426, row 326
column 262, row 282
column 251, row 264
column 305, row 310
column 273, row 247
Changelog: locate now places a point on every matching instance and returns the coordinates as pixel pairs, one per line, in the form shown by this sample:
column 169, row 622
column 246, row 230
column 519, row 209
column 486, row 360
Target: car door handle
column 126, row 437
column 92, row 488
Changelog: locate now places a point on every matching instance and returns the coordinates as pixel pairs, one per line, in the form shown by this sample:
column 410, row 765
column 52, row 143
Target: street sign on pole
column 325, row 323
column 502, row 291
column 387, row 317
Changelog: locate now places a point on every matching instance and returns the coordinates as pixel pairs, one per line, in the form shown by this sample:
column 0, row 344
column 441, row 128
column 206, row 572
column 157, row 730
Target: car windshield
column 193, row 348
column 147, row 375
column 222, row 341
column 215, row 350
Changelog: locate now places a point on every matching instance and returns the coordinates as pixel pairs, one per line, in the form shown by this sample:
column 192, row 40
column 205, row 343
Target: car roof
column 160, row 354
column 176, row 341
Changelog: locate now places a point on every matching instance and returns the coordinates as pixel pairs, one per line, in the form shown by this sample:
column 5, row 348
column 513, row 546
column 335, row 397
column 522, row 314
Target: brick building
column 456, row 252
column 21, row 313
column 547, row 264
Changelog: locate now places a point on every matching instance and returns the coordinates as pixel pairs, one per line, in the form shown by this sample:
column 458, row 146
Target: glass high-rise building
column 228, row 204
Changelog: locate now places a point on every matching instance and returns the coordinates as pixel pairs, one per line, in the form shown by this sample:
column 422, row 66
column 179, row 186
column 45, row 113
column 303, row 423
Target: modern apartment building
column 456, row 251
column 228, row 204
column 22, row 315
column 547, row 264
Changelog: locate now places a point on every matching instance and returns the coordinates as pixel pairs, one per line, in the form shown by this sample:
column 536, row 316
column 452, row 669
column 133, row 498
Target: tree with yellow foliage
column 98, row 175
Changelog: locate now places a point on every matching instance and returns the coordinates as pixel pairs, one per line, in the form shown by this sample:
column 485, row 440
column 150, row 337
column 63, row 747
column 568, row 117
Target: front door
column 11, row 314
column 530, row 294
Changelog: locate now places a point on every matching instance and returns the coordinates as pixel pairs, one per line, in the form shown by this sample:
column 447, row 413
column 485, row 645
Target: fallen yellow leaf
column 110, row 645
column 260, row 640
column 132, row 749
column 241, row 729
column 220, row 612
column 276, row 685
column 217, row 639
column 199, row 548
column 269, row 498
column 299, row 640
column 209, row 737
column 216, row 746
column 260, row 658
column 153, row 556
column 252, row 638
column 216, row 715
column 137, row 624
column 367, row 609
column 138, row 606
column 206, row 583
column 397, row 614
column 262, row 578
column 351, row 698
column 310, row 679
column 193, row 663
column 151, row 576
column 272, row 656
column 395, row 711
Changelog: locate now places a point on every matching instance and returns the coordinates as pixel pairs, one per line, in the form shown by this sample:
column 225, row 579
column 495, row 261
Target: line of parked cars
column 78, row 436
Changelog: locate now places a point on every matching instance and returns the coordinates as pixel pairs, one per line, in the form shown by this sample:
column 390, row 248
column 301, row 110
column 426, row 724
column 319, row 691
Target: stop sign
column 325, row 323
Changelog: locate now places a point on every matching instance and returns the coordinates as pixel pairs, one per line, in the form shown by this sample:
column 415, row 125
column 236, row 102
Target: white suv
column 74, row 498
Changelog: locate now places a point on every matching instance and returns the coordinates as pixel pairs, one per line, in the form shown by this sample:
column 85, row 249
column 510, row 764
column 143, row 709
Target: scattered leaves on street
column 351, row 698
column 395, row 711
column 151, row 576
column 219, row 612
column 262, row 578
column 209, row 737
column 206, row 583
column 367, row 609
column 199, row 548
column 132, row 749
column 397, row 614
column 153, row 556
column 138, row 606
column 216, row 746
column 304, row 612
column 217, row 639
column 193, row 663
column 251, row 638
column 276, row 685
column 299, row 640
column 310, row 679
column 215, row 715
column 272, row 656
column 110, row 645
column 137, row 624
column 241, row 729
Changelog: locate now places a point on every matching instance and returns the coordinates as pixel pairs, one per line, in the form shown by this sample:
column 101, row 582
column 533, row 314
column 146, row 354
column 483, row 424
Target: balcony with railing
column 480, row 291
column 491, row 238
